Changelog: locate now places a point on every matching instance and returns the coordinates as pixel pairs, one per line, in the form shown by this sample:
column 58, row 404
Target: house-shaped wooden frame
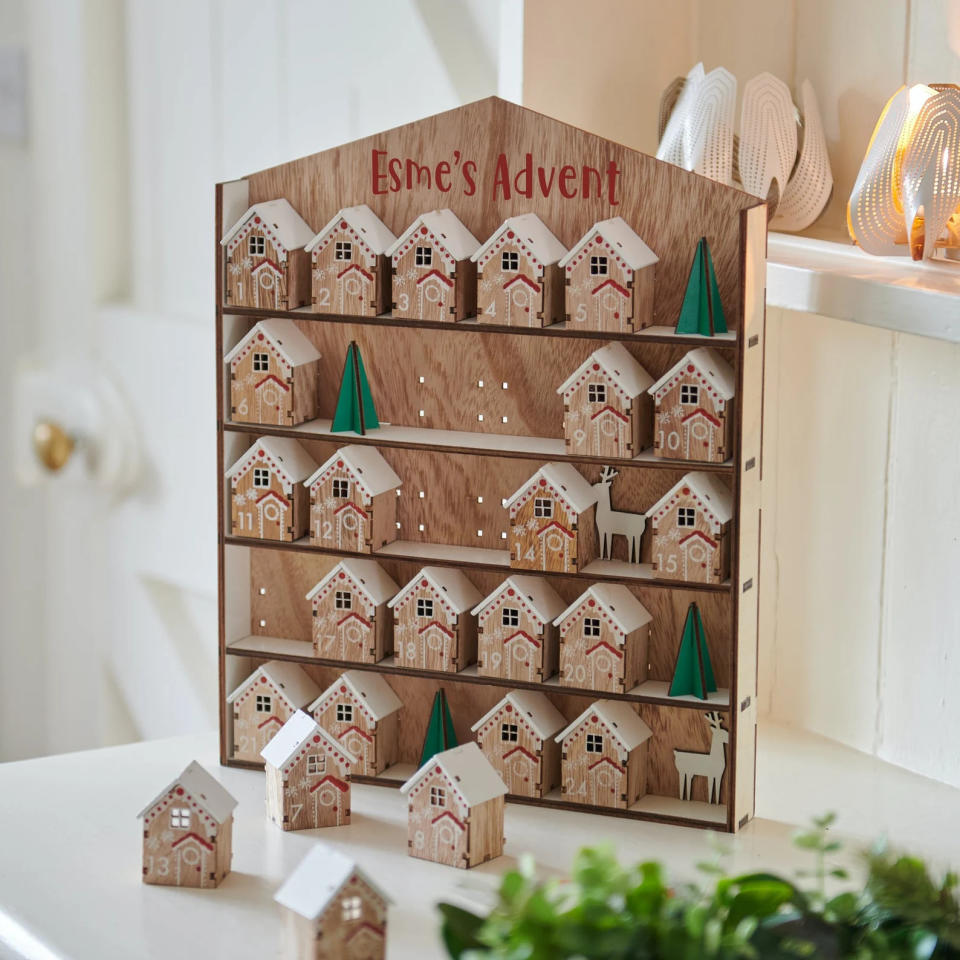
column 691, row 526
column 265, row 265
column 307, row 776
column 551, row 521
column 604, row 756
column 353, row 501
column 188, row 831
column 335, row 910
column 604, row 640
column 274, row 371
column 433, row 275
column 517, row 736
column 455, row 809
column 349, row 265
column 608, row 279
column 516, row 638
column 267, row 497
column 519, row 281
column 693, row 408
column 433, row 628
column 361, row 711
column 606, row 407
column 264, row 702
column 350, row 617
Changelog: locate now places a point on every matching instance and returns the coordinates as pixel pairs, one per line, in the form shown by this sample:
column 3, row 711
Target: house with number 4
column 693, row 408
column 433, row 276
column 334, row 909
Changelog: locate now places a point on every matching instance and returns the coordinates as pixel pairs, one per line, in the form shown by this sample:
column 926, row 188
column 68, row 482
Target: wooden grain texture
column 670, row 208
column 184, row 853
column 312, row 790
column 516, row 751
column 286, row 577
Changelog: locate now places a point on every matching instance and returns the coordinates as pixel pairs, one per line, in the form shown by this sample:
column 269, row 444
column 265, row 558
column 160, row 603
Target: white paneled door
column 136, row 110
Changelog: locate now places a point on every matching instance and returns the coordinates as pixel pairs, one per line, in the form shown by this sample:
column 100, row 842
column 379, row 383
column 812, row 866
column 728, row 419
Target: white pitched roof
column 369, row 468
column 370, row 688
column 375, row 233
column 534, row 232
column 624, row 608
column 450, row 583
column 287, row 454
column 629, row 729
column 624, row 240
column 544, row 717
column 471, row 772
column 289, row 678
column 444, row 224
column 707, row 488
column 619, row 364
column 288, row 738
column 709, row 362
column 318, row 878
column 285, row 336
column 199, row 784
column 368, row 574
column 291, row 229
column 567, row 482
column 544, row 600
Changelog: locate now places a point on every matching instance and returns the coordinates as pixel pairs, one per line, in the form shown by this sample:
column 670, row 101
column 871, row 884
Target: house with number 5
column 349, row 264
column 693, row 408
column 433, row 275
column 519, row 281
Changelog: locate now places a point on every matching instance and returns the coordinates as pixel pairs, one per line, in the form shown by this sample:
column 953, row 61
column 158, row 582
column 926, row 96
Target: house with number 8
column 551, row 521
column 519, row 281
column 353, row 501
column 349, row 265
column 433, row 275
column 693, row 409
column 692, row 529
column 188, row 832
column 267, row 497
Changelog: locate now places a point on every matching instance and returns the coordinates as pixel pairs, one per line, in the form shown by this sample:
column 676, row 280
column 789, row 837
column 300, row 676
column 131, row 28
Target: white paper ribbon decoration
column 699, row 136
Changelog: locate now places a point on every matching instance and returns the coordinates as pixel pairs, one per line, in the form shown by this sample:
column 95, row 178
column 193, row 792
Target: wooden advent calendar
column 469, row 412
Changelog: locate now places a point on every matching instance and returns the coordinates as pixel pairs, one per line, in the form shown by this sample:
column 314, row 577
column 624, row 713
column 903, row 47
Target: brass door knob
column 52, row 445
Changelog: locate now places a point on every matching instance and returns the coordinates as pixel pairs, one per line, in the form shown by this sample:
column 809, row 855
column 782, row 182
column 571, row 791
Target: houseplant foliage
column 607, row 912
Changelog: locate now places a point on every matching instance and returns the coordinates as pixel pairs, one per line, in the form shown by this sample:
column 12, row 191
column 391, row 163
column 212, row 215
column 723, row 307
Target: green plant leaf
column 459, row 929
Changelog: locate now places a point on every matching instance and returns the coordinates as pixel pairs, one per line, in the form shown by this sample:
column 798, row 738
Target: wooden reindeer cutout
column 710, row 765
column 612, row 523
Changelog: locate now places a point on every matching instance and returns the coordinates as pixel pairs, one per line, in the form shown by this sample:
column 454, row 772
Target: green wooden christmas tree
column 692, row 673
column 440, row 735
column 355, row 409
column 702, row 311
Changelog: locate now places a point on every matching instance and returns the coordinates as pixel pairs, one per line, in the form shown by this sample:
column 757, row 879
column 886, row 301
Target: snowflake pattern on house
column 349, row 266
column 351, row 621
column 266, row 265
column 551, row 521
column 433, row 275
column 267, row 497
column 520, row 281
column 692, row 529
column 433, row 628
column 693, row 408
column 353, row 501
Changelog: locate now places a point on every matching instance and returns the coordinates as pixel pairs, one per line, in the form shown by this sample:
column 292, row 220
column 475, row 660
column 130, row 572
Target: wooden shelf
column 301, row 651
column 654, row 334
column 458, row 441
column 482, row 557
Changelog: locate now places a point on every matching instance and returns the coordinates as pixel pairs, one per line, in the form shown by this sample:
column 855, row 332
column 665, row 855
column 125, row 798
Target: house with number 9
column 433, row 275
column 693, row 409
column 349, row 265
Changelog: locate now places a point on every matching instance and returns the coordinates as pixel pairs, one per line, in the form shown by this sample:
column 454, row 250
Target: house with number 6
column 692, row 525
column 519, row 281
column 693, row 408
column 349, row 264
column 433, row 275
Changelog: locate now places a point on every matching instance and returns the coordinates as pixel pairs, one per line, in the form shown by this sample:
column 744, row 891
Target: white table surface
column 70, row 847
